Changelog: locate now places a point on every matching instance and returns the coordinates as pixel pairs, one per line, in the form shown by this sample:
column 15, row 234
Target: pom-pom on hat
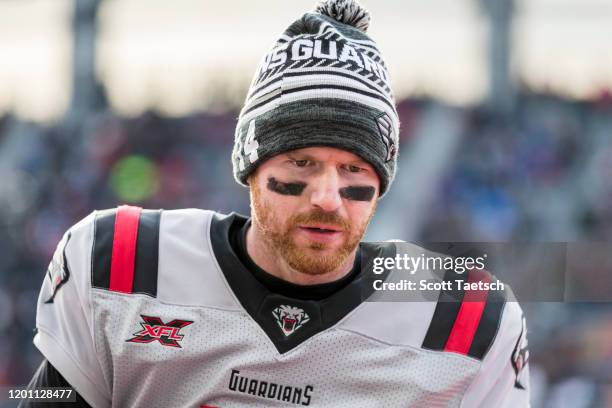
column 345, row 11
column 323, row 83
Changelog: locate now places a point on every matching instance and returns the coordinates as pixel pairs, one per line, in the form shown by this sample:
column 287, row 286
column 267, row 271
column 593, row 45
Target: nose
column 325, row 192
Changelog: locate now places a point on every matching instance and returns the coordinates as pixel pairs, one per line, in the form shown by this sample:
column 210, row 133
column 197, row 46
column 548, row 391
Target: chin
column 319, row 248
column 316, row 258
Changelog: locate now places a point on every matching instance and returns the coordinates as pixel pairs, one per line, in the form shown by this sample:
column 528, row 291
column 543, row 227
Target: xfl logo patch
column 154, row 329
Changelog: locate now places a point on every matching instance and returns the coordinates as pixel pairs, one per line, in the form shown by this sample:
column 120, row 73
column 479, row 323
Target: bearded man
column 192, row 308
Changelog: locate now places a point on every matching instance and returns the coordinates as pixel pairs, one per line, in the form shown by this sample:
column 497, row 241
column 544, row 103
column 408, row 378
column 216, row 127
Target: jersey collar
column 289, row 321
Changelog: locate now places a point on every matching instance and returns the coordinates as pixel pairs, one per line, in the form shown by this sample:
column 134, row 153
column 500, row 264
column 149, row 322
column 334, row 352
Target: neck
column 270, row 261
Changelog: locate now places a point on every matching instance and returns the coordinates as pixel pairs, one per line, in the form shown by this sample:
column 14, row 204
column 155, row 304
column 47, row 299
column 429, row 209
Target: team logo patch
column 290, row 318
column 385, row 128
column 58, row 273
column 520, row 358
column 153, row 328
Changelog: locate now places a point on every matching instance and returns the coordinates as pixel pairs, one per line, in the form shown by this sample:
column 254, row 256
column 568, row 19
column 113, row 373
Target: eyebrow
column 360, row 162
column 302, row 156
column 306, row 156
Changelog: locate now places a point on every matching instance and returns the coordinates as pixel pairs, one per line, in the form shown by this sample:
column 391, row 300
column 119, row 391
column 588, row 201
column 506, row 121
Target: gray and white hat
column 324, row 83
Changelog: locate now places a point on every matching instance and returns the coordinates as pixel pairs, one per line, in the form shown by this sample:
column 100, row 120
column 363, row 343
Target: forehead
column 321, row 154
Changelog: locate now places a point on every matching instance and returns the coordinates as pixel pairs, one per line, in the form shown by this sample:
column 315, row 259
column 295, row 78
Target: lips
column 321, row 233
column 289, row 323
column 321, row 228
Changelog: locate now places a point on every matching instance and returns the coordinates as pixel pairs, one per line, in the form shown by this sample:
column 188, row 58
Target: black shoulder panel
column 489, row 324
column 104, row 228
column 447, row 309
column 147, row 253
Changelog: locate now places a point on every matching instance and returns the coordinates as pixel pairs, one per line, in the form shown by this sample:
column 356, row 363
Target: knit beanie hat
column 324, row 83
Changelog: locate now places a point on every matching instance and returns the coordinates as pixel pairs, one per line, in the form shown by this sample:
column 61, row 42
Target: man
column 191, row 308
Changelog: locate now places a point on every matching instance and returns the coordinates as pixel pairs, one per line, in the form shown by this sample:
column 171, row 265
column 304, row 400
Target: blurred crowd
column 542, row 173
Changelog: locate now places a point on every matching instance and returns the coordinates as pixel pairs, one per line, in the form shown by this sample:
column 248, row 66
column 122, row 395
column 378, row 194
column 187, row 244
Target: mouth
column 289, row 323
column 321, row 228
column 325, row 234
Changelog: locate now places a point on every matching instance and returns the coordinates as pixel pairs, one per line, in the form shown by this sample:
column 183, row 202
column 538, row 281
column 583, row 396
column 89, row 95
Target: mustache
column 315, row 216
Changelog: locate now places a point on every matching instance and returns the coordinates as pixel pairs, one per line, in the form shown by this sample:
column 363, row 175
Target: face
column 313, row 205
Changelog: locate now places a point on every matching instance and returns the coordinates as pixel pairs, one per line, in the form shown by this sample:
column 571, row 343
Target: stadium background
column 506, row 114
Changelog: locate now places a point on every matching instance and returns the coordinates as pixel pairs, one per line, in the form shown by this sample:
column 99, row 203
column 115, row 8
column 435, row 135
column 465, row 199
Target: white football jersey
column 144, row 308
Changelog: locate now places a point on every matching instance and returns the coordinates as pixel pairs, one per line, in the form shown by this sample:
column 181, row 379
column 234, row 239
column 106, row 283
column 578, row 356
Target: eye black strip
column 358, row 193
column 292, row 189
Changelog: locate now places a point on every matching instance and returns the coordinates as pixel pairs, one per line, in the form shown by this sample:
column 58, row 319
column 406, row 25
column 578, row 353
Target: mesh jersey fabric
column 216, row 350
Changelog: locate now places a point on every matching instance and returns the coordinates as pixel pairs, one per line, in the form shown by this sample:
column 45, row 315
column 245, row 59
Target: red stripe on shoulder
column 470, row 313
column 124, row 249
